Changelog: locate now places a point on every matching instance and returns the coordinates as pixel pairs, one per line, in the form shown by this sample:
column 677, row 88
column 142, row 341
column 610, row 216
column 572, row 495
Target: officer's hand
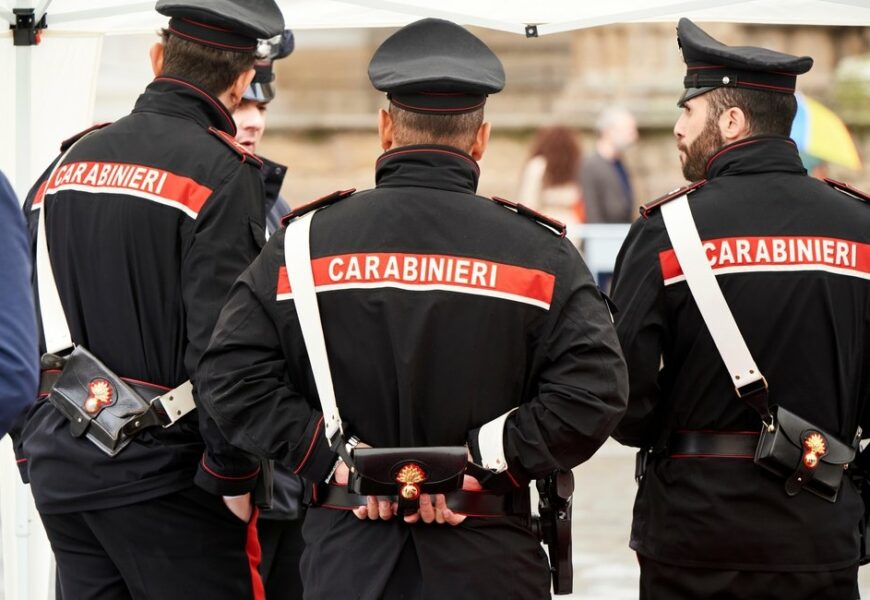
column 240, row 506
column 439, row 512
column 374, row 509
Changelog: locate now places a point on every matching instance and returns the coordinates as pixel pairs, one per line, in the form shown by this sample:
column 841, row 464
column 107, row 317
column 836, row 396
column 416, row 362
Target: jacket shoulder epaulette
column 553, row 225
column 848, row 189
column 243, row 152
column 68, row 142
column 645, row 209
column 319, row 203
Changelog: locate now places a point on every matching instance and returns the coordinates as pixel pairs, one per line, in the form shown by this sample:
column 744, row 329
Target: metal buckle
column 753, row 387
column 176, row 403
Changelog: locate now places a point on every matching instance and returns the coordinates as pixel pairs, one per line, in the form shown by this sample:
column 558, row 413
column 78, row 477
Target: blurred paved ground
column 604, row 566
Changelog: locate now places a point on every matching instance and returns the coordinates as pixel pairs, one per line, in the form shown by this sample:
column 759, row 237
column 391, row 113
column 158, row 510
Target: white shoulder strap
column 708, row 295
column 297, row 256
column 54, row 323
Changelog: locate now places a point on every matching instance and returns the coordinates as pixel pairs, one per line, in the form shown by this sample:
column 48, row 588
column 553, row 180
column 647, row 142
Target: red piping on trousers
column 252, row 549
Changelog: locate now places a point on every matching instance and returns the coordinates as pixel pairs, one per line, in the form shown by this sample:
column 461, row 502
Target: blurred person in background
column 606, row 184
column 280, row 527
column 19, row 361
column 548, row 183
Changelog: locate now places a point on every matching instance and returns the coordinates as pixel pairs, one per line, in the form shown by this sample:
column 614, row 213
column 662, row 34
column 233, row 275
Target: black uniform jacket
column 149, row 222
column 792, row 256
column 441, row 311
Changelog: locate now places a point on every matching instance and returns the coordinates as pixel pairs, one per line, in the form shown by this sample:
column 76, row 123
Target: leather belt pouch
column 98, row 404
column 805, row 455
column 407, row 472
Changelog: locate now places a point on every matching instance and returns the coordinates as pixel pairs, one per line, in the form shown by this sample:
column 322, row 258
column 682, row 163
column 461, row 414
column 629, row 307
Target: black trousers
column 282, row 545
column 659, row 581
column 182, row 546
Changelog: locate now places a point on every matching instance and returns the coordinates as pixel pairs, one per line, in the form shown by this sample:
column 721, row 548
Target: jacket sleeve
column 638, row 289
column 226, row 237
column 581, row 388
column 246, row 389
column 19, row 363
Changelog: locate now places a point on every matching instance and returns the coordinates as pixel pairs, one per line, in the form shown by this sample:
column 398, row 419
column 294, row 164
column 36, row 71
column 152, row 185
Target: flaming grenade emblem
column 410, row 475
column 99, row 395
column 816, row 448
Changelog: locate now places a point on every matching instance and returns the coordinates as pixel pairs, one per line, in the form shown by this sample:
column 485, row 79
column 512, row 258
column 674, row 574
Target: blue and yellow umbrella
column 822, row 136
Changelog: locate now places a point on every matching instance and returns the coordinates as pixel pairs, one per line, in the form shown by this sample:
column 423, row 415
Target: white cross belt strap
column 297, row 256
column 177, row 402
column 708, row 296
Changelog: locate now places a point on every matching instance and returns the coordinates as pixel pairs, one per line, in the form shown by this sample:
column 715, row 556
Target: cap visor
column 692, row 93
column 259, row 92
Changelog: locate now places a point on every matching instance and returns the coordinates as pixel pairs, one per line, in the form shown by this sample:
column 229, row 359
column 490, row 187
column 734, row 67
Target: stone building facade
column 323, row 123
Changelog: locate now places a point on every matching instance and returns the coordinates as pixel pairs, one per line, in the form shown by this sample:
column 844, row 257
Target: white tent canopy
column 55, row 81
column 54, row 87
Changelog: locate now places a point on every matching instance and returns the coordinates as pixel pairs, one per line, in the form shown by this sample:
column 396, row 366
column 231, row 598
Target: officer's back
column 449, row 319
column 788, row 252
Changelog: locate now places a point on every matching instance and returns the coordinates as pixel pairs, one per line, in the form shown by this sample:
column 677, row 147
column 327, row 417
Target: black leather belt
column 472, row 504
column 712, row 444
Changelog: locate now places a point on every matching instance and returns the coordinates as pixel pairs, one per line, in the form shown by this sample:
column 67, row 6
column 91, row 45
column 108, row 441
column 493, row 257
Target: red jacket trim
column 217, row 475
column 649, row 206
column 310, row 447
column 848, row 189
column 319, row 203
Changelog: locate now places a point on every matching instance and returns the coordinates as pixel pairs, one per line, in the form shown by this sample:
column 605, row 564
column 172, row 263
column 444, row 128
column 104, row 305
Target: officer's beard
column 699, row 153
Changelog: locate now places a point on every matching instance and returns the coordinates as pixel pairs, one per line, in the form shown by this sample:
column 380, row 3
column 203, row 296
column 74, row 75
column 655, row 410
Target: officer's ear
column 481, row 141
column 233, row 96
column 156, row 54
column 385, row 129
column 733, row 125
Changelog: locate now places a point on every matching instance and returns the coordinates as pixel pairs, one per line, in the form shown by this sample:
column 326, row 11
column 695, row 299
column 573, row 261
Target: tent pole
column 635, row 15
column 429, row 11
column 23, row 134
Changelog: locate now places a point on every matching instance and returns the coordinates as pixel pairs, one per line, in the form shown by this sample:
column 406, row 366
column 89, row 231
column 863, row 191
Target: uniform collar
column 174, row 96
column 440, row 167
column 273, row 177
column 758, row 154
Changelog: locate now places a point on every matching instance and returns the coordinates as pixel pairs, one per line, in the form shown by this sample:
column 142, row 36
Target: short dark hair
column 767, row 113
column 411, row 128
column 210, row 69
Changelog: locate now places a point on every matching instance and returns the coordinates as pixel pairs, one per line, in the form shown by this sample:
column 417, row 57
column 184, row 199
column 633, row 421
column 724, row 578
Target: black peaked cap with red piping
column 710, row 64
column 435, row 66
column 235, row 25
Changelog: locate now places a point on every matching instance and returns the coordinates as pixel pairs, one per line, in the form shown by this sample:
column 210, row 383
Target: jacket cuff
column 224, row 482
column 317, row 458
column 487, row 444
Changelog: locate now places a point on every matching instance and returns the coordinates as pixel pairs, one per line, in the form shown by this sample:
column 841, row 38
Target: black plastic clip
column 531, row 31
column 27, row 31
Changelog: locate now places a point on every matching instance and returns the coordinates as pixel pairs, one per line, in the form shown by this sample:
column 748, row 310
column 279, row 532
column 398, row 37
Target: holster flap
column 795, row 428
column 410, row 471
column 96, row 402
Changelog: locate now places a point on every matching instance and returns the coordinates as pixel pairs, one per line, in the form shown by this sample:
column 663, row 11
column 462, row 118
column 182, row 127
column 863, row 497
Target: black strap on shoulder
column 848, row 189
column 319, row 203
column 236, row 147
column 67, row 143
column 645, row 209
column 555, row 226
